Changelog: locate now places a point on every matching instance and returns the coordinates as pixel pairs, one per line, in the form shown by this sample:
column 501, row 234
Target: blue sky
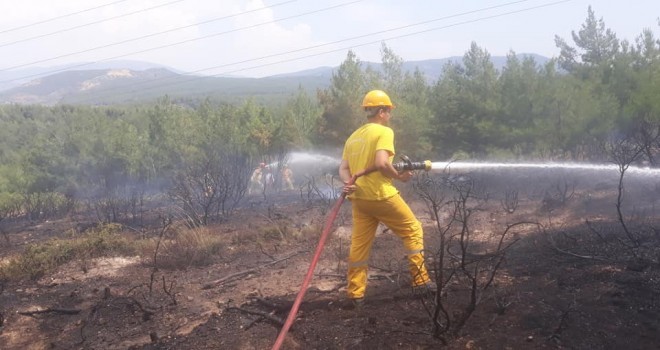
column 263, row 37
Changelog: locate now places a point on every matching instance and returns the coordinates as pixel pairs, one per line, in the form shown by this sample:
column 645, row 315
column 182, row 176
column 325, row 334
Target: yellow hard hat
column 376, row 98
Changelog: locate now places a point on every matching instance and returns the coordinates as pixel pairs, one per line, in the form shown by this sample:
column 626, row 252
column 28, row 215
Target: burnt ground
column 560, row 288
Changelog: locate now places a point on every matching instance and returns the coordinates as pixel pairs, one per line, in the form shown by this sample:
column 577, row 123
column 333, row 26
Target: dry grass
column 181, row 249
column 41, row 258
column 188, row 247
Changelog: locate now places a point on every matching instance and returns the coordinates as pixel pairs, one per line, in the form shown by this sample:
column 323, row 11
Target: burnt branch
column 269, row 316
column 310, row 191
column 563, row 320
column 271, row 305
column 459, row 259
column 623, row 153
column 211, row 188
column 166, row 224
column 222, row 280
column 50, row 310
column 169, row 291
column 559, row 250
column 510, row 201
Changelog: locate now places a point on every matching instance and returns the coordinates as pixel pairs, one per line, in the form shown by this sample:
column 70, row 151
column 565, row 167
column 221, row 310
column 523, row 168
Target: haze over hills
column 17, row 77
column 134, row 82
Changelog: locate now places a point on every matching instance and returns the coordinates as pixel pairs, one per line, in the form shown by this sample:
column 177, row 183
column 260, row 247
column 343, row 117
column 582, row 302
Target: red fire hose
column 310, row 272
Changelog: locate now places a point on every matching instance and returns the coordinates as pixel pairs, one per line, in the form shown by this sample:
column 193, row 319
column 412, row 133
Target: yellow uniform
column 360, row 151
column 287, row 177
column 377, row 200
column 256, row 184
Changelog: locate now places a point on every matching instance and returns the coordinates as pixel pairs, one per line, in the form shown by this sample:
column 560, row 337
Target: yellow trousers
column 397, row 216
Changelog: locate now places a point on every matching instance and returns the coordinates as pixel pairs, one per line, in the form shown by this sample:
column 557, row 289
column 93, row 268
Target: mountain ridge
column 136, row 81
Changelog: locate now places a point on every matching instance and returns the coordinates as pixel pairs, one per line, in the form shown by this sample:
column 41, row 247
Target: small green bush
column 10, row 204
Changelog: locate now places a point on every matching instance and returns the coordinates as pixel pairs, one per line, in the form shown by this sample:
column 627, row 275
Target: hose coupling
column 406, row 164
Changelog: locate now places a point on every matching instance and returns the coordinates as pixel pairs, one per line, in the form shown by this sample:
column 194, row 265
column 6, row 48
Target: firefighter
column 256, row 183
column 287, row 177
column 375, row 199
column 268, row 178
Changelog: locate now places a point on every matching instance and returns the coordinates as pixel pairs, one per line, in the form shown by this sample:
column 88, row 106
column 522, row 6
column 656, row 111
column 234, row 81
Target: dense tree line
column 598, row 88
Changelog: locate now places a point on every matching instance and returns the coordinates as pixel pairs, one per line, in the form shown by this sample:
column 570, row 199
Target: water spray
column 459, row 165
column 427, row 165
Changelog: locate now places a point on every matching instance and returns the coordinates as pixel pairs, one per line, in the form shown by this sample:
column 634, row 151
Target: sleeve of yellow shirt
column 386, row 141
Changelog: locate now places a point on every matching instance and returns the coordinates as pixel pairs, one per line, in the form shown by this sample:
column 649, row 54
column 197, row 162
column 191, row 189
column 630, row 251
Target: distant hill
column 13, row 78
column 134, row 82
column 108, row 86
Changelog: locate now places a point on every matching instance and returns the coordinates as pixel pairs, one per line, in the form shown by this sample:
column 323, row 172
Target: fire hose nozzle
column 406, row 164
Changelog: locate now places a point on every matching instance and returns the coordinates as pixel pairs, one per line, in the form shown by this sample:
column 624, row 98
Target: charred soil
column 561, row 293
